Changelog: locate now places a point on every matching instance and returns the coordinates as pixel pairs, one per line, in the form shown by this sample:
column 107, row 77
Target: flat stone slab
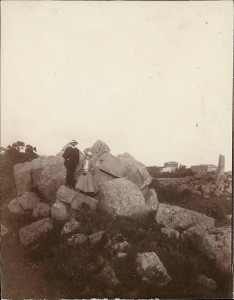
column 180, row 218
column 111, row 165
column 65, row 194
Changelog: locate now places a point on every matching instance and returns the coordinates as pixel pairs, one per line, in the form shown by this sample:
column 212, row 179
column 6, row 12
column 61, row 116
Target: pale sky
column 150, row 78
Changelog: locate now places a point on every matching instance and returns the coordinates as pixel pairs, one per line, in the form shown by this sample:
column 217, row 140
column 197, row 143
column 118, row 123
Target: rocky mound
column 123, row 232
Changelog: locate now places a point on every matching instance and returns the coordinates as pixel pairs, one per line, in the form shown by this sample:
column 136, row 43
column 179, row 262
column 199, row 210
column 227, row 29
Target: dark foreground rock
column 214, row 243
column 151, row 269
column 70, row 227
column 33, row 233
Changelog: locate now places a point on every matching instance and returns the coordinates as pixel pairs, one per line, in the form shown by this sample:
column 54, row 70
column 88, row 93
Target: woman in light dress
column 87, row 180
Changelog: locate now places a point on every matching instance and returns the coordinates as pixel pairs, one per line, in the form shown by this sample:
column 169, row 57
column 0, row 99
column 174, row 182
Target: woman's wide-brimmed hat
column 73, row 142
column 89, row 153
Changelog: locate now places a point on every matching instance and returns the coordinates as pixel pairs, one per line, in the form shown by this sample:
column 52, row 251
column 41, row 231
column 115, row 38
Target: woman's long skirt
column 85, row 183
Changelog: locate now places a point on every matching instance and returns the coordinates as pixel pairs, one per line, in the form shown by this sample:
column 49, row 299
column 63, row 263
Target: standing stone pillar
column 221, row 166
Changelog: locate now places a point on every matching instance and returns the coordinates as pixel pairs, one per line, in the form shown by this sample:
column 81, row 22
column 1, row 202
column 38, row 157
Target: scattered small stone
column 122, row 247
column 97, row 237
column 77, row 239
column 108, row 276
column 118, row 238
column 170, row 233
column 70, row 227
column 196, row 192
column 206, row 283
column 122, row 255
column 59, row 211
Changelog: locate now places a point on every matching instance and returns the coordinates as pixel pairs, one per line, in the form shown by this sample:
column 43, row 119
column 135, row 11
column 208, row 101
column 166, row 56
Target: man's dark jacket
column 71, row 156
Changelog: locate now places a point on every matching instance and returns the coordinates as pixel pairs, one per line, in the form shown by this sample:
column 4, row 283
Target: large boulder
column 151, row 269
column 98, row 149
column 101, row 176
column 36, row 168
column 135, row 171
column 110, row 164
column 121, row 197
column 214, row 243
column 123, row 165
column 52, row 176
column 45, row 173
column 23, row 179
column 180, row 218
column 33, row 233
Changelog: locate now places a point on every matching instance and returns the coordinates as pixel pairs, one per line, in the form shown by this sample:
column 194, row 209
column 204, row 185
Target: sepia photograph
column 116, row 149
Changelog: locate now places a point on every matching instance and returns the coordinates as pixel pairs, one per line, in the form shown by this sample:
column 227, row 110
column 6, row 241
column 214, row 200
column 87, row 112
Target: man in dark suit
column 72, row 158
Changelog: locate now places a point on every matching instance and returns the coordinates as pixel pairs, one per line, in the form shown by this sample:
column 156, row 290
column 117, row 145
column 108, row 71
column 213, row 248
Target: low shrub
column 215, row 206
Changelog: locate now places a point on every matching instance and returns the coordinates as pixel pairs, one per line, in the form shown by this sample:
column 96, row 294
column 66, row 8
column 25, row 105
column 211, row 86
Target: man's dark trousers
column 71, row 167
column 71, row 156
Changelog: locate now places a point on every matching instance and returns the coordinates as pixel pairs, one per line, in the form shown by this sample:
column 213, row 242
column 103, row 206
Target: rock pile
column 124, row 193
